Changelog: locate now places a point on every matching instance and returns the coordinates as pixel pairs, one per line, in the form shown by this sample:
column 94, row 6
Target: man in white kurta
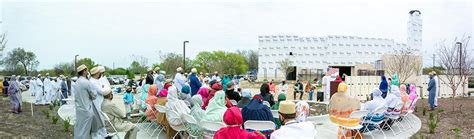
column 179, row 79
column 48, row 89
column 435, row 77
column 88, row 120
column 32, row 88
column 103, row 80
column 292, row 129
column 39, row 92
column 99, row 89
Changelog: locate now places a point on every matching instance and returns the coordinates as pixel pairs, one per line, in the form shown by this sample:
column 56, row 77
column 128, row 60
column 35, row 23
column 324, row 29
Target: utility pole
column 184, row 55
column 434, row 57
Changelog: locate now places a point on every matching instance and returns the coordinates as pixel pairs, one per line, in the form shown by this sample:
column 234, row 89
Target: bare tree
column 457, row 62
column 404, row 62
column 284, row 66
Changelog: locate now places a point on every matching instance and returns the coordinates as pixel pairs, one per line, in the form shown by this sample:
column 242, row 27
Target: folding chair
column 377, row 111
column 163, row 110
column 143, row 116
column 153, row 121
column 190, row 121
column 404, row 116
column 178, row 129
column 210, row 128
column 265, row 127
column 394, row 118
column 115, row 133
column 355, row 115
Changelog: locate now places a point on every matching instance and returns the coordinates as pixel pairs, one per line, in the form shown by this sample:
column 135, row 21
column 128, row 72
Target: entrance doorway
column 291, row 73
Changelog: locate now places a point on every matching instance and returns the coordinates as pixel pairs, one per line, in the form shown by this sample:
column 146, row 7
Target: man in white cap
column 100, row 90
column 291, row 128
column 48, row 89
column 179, row 79
column 149, row 77
column 32, row 85
column 215, row 77
column 117, row 117
column 64, row 89
column 88, row 120
column 103, row 80
column 194, row 82
column 39, row 93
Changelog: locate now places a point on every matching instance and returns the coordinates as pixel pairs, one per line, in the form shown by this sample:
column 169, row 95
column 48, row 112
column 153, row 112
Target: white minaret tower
column 415, row 30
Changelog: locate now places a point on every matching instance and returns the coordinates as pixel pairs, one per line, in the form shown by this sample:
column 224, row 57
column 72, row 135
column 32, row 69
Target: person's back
column 291, row 128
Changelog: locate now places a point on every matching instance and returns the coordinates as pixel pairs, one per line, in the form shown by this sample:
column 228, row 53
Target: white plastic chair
column 163, row 110
column 259, row 125
column 275, row 114
column 144, row 115
column 115, row 133
column 394, row 118
column 379, row 110
column 178, row 129
column 211, row 128
column 266, row 103
column 356, row 115
column 404, row 116
column 153, row 121
column 233, row 102
column 189, row 120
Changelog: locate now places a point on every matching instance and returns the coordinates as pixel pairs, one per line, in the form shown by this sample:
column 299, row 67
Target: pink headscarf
column 233, row 119
column 204, row 92
column 163, row 93
column 413, row 94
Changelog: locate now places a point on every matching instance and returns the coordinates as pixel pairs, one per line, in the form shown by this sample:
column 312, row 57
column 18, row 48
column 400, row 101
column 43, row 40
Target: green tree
column 88, row 62
column 137, row 68
column 223, row 62
column 172, row 61
column 66, row 69
column 204, row 61
column 251, row 57
column 18, row 56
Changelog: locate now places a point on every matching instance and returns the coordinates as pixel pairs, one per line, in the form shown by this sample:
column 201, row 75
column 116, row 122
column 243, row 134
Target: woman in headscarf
column 233, row 120
column 413, row 95
column 216, row 87
column 176, row 105
column 161, row 117
column 371, row 106
column 144, row 96
column 341, row 106
column 404, row 96
column 226, row 79
column 151, row 100
column 272, row 87
column 15, row 95
column 383, row 87
column 215, row 110
column 256, row 110
column 204, row 93
column 246, row 94
column 281, row 97
column 392, row 100
column 198, row 114
column 265, row 93
column 186, row 95
column 302, row 111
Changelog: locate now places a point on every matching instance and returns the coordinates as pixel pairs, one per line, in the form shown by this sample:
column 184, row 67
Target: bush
column 55, row 119
column 46, row 113
column 457, row 132
column 433, row 123
column 424, row 111
column 66, row 124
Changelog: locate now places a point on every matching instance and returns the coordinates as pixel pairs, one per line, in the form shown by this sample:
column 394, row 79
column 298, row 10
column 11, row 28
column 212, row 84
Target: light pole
column 75, row 64
column 184, row 54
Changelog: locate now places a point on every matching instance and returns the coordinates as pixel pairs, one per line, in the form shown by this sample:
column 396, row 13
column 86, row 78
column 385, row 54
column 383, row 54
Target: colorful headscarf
column 302, row 111
column 216, row 108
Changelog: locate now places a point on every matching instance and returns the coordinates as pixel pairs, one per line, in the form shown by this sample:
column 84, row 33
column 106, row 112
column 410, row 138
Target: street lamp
column 184, row 54
column 75, row 64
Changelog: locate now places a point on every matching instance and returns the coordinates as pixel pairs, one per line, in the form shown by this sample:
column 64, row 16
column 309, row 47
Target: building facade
column 315, row 54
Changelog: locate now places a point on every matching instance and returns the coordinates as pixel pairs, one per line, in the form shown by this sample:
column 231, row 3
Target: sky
column 110, row 32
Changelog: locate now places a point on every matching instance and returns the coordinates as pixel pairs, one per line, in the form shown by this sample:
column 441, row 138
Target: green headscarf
column 224, row 82
column 196, row 110
column 281, row 97
column 216, row 108
column 395, row 80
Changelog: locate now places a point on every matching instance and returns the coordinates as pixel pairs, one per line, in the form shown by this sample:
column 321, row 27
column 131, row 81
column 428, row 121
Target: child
column 128, row 99
column 311, row 92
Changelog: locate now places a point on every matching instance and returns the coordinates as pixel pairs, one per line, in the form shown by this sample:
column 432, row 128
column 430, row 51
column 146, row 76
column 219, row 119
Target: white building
column 317, row 53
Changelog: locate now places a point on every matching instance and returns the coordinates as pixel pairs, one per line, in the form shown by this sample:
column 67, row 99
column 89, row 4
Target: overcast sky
column 110, row 32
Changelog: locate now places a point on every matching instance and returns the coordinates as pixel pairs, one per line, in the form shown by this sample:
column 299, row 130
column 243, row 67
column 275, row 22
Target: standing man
column 5, row 87
column 32, row 86
column 435, row 77
column 48, row 89
column 194, row 82
column 215, row 77
column 103, row 80
column 39, row 91
column 179, row 79
column 87, row 118
column 15, row 95
column 149, row 77
column 64, row 88
column 432, row 92
column 98, row 88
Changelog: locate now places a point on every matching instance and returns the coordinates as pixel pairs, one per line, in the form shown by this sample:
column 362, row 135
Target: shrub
column 440, row 111
column 55, row 119
column 46, row 113
column 51, row 106
column 457, row 132
column 433, row 122
column 66, row 124
column 424, row 111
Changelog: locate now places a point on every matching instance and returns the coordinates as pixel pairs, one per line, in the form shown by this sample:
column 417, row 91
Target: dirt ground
column 23, row 125
column 460, row 118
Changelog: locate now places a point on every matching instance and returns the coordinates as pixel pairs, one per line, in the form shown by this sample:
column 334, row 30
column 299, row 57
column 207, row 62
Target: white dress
column 294, row 130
